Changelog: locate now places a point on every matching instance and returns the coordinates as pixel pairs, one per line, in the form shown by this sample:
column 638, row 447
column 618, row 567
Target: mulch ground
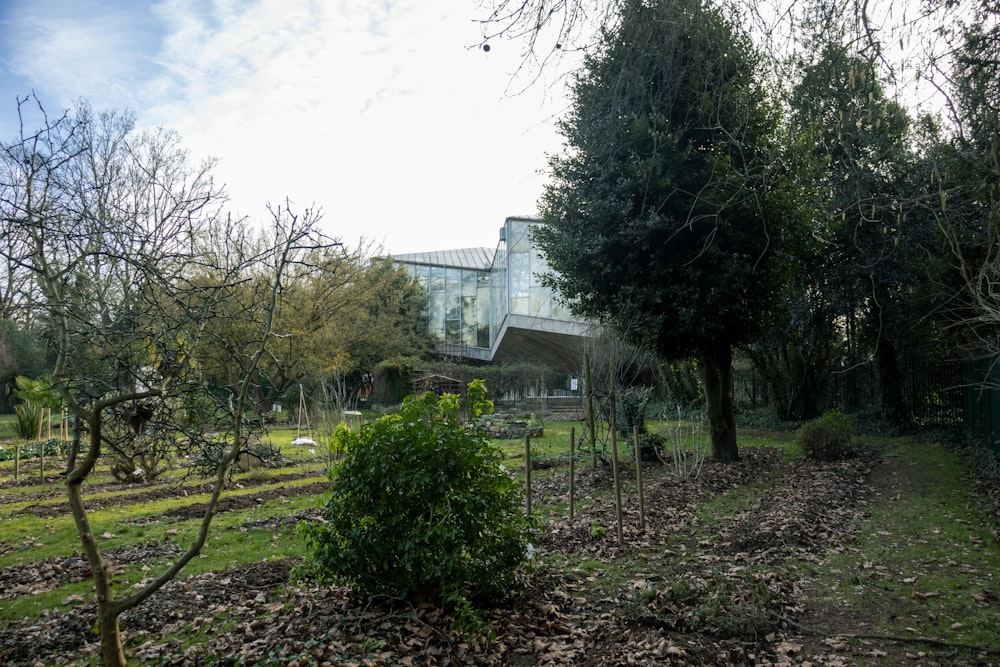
column 619, row 609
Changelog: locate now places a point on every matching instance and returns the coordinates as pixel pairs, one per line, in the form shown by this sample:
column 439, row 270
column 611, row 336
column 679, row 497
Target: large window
column 458, row 305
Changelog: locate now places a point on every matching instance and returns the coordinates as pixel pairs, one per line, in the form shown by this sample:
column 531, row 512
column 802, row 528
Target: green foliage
column 631, row 412
column 419, row 504
column 668, row 216
column 650, row 446
column 828, row 437
column 28, row 450
column 36, row 397
column 28, row 419
column 597, row 531
column 659, row 216
column 763, row 417
column 476, row 403
column 21, row 353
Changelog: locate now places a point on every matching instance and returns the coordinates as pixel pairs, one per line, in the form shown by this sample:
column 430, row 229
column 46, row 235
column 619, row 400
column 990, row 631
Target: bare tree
column 116, row 230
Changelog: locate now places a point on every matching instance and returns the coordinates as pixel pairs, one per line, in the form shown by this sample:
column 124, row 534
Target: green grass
column 922, row 561
column 232, row 540
column 923, row 558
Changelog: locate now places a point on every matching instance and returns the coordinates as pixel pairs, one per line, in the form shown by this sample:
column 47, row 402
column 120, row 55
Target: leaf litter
column 693, row 588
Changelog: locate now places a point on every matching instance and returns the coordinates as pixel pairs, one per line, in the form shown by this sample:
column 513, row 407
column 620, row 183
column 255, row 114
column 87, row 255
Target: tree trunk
column 717, row 376
column 890, row 382
column 112, row 653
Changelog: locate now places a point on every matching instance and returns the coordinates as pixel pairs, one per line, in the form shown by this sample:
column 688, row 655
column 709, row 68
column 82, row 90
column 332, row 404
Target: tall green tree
column 20, row 354
column 663, row 215
column 872, row 267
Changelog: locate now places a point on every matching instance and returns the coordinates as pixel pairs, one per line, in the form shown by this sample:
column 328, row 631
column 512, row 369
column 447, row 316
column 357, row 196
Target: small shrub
column 650, row 446
column 688, row 445
column 421, row 505
column 476, row 403
column 828, row 437
column 37, row 398
column 28, row 419
column 631, row 415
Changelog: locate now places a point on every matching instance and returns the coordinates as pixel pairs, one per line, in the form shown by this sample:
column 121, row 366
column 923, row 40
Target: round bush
column 419, row 503
column 828, row 437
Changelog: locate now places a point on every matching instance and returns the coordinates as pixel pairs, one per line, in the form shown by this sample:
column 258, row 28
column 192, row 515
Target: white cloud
column 381, row 114
column 78, row 49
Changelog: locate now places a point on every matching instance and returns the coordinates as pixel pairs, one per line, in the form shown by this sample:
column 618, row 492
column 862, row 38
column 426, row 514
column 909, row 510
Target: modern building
column 491, row 305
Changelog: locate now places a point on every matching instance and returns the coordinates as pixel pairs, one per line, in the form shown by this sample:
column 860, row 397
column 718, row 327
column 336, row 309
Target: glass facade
column 526, row 266
column 468, row 306
column 457, row 301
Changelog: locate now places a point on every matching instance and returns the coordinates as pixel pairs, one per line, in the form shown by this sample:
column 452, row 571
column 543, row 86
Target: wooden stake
column 527, row 470
column 47, row 414
column 614, row 467
column 591, row 428
column 638, row 479
column 572, row 467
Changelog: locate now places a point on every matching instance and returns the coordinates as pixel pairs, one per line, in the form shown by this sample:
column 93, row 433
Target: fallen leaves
column 617, row 606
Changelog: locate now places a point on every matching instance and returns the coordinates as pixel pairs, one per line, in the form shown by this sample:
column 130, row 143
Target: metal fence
column 933, row 391
column 981, row 400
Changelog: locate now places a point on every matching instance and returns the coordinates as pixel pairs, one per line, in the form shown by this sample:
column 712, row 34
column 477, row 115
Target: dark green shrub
column 828, row 437
column 420, row 504
column 631, row 414
column 650, row 446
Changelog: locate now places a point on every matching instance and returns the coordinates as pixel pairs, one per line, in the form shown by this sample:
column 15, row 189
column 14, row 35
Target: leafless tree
column 117, row 231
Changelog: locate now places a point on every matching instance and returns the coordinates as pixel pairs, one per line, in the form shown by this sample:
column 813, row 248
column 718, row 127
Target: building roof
column 480, row 259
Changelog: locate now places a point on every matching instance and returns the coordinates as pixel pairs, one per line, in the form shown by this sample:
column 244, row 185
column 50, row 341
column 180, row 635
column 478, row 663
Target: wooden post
column 572, row 467
column 638, row 478
column 591, row 428
column 614, row 468
column 527, row 470
column 47, row 415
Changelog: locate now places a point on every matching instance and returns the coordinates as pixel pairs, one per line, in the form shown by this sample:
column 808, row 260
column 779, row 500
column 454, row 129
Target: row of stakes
column 615, row 472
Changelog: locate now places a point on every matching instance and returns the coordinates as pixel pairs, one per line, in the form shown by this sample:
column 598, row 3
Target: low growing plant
column 421, row 505
column 828, row 437
column 717, row 604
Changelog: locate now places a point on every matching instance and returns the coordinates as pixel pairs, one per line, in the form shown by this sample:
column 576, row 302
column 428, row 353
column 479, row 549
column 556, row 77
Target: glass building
column 491, row 305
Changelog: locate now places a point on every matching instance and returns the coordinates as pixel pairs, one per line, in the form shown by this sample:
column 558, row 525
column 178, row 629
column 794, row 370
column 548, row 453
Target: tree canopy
column 664, row 214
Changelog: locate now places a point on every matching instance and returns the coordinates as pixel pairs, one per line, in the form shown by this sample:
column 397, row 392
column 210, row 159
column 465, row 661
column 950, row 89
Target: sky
column 384, row 115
